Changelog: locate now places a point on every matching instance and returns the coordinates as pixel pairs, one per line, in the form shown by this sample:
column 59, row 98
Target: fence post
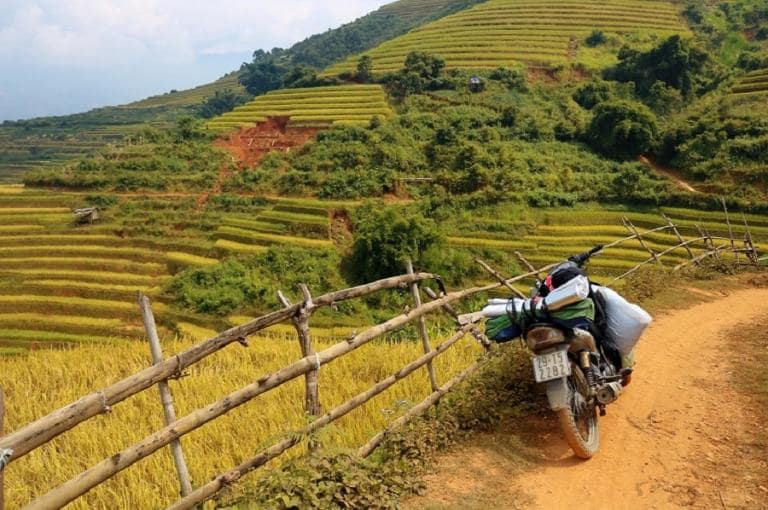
column 165, row 393
column 501, row 278
column 311, row 378
column 679, row 237
column 730, row 229
column 422, row 326
column 628, row 224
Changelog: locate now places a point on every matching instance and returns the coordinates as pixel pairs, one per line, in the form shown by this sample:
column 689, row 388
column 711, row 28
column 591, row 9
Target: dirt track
column 680, row 437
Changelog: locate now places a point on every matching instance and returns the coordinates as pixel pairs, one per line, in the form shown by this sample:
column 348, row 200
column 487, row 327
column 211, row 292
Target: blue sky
column 67, row 56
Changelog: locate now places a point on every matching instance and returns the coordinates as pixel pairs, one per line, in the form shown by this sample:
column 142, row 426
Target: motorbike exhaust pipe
column 609, row 393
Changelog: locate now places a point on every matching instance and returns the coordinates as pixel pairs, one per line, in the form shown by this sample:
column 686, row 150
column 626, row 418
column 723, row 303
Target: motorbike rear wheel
column 579, row 421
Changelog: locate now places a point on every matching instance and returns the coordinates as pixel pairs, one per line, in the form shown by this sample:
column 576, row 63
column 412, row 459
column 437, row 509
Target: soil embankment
column 682, row 436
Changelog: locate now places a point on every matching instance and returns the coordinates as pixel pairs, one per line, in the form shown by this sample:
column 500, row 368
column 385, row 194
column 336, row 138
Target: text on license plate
column 551, row 366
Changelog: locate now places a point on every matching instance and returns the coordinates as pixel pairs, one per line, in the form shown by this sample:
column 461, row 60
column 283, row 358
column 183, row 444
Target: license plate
column 554, row 365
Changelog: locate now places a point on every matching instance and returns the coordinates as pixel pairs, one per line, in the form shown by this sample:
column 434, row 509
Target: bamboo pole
column 106, row 469
column 221, row 481
column 371, row 445
column 677, row 234
column 524, row 261
column 730, row 229
column 749, row 242
column 648, row 261
column 475, row 331
column 48, row 427
column 166, row 399
column 704, row 256
column 501, row 279
column 628, row 224
column 422, row 327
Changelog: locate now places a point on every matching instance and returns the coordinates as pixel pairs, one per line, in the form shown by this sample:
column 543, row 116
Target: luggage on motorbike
column 625, row 322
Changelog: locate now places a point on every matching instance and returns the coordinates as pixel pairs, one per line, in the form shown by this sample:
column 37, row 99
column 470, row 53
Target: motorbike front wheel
column 579, row 421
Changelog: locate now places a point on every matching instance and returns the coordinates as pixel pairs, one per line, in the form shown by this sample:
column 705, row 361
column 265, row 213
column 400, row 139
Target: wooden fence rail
column 40, row 432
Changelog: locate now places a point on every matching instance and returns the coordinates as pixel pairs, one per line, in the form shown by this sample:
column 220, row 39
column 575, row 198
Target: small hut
column 86, row 216
column 476, row 84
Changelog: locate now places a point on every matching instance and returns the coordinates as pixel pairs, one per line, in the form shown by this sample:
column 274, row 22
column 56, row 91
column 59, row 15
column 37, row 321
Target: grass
column 326, row 104
column 501, row 32
column 107, row 277
column 188, row 259
column 228, row 245
column 46, row 380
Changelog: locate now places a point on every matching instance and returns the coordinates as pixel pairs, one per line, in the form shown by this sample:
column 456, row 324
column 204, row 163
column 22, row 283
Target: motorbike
column 579, row 376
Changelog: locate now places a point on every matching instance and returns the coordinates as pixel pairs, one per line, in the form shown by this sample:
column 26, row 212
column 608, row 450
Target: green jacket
column 583, row 309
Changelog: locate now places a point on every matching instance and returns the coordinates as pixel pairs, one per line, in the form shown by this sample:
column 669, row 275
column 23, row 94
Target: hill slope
column 50, row 140
column 499, row 32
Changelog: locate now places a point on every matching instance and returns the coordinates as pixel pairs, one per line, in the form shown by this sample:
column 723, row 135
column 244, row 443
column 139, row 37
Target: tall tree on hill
column 622, row 129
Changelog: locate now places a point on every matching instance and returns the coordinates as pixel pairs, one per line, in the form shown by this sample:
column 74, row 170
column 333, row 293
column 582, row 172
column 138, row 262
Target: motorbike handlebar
column 580, row 260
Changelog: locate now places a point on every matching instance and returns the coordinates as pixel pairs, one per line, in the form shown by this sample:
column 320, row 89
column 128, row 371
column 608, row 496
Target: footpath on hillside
column 682, row 436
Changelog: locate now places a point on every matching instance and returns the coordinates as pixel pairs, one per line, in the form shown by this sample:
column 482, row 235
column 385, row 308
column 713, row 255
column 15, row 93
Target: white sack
column 626, row 321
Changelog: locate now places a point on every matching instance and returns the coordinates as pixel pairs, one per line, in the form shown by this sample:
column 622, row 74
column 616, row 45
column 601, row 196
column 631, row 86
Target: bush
column 592, row 93
column 596, row 38
column 622, row 129
column 385, row 237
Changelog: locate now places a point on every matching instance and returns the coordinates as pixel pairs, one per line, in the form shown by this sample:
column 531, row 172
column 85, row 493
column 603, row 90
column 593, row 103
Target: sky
column 66, row 56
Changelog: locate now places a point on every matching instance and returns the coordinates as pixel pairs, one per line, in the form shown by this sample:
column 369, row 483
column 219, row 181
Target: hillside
column 500, row 32
column 43, row 142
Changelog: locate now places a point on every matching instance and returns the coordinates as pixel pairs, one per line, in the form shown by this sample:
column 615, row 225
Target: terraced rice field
column 321, row 106
column 755, row 83
column 501, row 32
column 61, row 284
column 286, row 223
column 561, row 233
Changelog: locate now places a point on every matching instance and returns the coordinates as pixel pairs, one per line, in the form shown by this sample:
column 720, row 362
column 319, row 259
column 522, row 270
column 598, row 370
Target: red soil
column 249, row 145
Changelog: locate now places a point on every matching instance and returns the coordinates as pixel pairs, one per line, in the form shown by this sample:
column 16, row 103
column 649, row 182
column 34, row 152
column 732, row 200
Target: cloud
column 82, row 45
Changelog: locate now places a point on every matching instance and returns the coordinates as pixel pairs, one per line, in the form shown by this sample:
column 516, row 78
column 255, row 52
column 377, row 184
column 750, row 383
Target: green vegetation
column 500, row 32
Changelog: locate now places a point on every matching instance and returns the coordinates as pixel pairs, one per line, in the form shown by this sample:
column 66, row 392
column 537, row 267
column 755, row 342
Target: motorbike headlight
column 544, row 337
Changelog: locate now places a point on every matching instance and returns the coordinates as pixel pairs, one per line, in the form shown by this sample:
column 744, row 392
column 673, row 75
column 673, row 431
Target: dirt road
column 680, row 437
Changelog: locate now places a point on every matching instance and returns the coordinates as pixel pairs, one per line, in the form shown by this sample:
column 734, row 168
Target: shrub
column 622, row 129
column 596, row 38
column 592, row 93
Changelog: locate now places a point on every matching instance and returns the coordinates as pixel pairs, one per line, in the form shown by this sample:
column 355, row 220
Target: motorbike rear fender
column 557, row 394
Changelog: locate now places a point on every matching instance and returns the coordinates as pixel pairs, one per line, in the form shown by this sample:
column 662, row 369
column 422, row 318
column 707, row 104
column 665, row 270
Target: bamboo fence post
column 677, row 233
column 501, row 279
column 311, row 378
column 730, row 229
column 749, row 242
column 628, row 224
column 524, row 261
column 422, row 327
column 166, row 399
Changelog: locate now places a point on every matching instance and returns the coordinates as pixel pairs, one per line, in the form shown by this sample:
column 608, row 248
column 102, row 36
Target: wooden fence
column 34, row 435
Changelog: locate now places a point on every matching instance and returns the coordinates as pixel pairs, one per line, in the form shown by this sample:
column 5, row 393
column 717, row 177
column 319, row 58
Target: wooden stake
column 749, row 243
column 730, row 229
column 628, row 224
column 501, row 279
column 422, row 327
column 166, row 399
column 311, row 378
column 677, row 233
column 524, row 261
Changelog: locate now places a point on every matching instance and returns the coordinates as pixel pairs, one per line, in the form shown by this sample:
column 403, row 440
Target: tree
column 386, row 236
column 222, row 101
column 265, row 73
column 421, row 72
column 676, row 62
column 622, row 129
column 365, row 69
column 592, row 93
